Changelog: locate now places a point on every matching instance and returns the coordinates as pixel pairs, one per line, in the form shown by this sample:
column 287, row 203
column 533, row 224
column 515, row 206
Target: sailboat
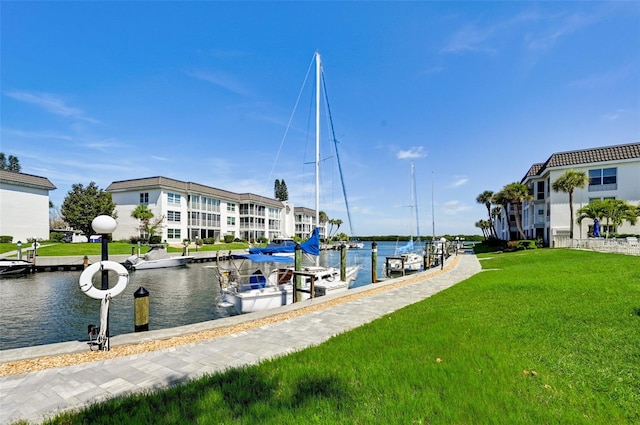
column 408, row 258
column 262, row 290
column 330, row 279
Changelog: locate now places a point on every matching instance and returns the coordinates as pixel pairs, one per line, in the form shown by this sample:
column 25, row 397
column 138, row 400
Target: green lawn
column 539, row 337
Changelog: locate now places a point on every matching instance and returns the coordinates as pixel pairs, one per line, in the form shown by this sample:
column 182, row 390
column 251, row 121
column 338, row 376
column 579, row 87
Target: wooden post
column 141, row 310
column 85, row 262
column 374, row 262
column 298, row 266
column 343, row 262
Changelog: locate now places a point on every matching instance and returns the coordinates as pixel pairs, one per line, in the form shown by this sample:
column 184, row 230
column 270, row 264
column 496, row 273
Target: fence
column 629, row 246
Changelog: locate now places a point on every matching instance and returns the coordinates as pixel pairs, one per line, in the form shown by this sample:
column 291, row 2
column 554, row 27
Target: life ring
column 86, row 283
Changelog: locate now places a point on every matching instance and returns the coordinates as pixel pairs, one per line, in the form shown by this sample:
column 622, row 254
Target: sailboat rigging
column 275, row 288
column 408, row 258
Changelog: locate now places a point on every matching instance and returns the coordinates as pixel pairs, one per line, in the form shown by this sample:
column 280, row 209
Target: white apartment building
column 24, row 206
column 192, row 210
column 613, row 172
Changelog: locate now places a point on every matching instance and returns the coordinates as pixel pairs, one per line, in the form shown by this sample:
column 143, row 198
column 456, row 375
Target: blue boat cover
column 406, row 248
column 310, row 246
column 263, row 258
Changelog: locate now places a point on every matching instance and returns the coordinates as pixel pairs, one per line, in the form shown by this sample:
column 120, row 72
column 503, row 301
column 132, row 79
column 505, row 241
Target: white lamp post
column 104, row 225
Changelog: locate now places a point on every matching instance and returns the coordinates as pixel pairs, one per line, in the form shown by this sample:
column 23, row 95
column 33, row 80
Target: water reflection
column 46, row 308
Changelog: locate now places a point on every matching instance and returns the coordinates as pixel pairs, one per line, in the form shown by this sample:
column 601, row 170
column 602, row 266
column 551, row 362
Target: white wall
column 24, row 212
column 628, row 182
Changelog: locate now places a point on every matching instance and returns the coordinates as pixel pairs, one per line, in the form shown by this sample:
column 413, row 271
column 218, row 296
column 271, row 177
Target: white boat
column 260, row 289
column 404, row 264
column 13, row 267
column 408, row 258
column 328, row 278
column 254, row 284
column 157, row 258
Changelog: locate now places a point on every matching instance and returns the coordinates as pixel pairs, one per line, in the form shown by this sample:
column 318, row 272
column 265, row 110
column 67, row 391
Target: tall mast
column 415, row 200
column 433, row 217
column 317, row 146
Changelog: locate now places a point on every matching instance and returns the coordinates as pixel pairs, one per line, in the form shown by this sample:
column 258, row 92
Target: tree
column 516, row 194
column 280, row 191
column 148, row 226
column 568, row 182
column 482, row 225
column 334, row 222
column 82, row 205
column 499, row 198
column 612, row 211
column 276, row 189
column 485, row 198
column 323, row 217
column 12, row 164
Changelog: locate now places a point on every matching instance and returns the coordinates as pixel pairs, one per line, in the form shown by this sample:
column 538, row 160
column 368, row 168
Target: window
column 607, row 177
column 144, row 198
column 231, row 221
column 231, row 207
column 173, row 233
column 173, row 198
column 173, row 216
column 540, row 191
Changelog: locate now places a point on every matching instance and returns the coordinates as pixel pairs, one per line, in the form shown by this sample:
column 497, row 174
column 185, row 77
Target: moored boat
column 13, row 267
column 157, row 258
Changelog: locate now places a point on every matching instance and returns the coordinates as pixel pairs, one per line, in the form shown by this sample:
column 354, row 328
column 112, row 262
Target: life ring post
column 104, row 225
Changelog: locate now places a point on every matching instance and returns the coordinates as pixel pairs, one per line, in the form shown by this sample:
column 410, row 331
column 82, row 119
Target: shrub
column 228, row 238
column 6, row 239
column 155, row 239
column 56, row 236
column 208, row 241
column 521, row 245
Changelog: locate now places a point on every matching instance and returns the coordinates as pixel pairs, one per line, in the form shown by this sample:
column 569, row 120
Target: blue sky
column 473, row 93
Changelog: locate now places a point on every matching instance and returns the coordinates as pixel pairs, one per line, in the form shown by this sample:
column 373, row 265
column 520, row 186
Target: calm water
column 46, row 308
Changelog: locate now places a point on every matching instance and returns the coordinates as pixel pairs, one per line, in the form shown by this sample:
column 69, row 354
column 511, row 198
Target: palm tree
column 485, row 198
column 500, row 199
column 516, row 193
column 618, row 211
column 593, row 210
column 613, row 211
column 567, row 183
column 482, row 225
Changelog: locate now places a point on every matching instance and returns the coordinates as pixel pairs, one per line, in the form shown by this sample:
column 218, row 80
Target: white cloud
column 454, row 207
column 602, row 80
column 225, row 81
column 460, row 181
column 411, row 153
column 51, row 103
column 469, row 39
column 612, row 116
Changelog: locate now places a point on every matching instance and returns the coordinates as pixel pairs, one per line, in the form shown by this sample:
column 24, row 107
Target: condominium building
column 24, row 206
column 193, row 211
column 613, row 173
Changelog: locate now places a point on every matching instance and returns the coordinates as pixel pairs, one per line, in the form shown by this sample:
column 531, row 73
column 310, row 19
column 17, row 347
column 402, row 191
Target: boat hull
column 13, row 267
column 259, row 299
column 162, row 263
column 404, row 264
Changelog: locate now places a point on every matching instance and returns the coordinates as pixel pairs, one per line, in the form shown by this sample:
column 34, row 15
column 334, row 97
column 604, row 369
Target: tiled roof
column 586, row 156
column 189, row 187
column 28, row 180
column 534, row 170
column 305, row 211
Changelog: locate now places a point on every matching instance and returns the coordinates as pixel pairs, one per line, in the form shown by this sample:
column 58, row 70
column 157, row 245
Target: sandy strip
column 48, row 362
